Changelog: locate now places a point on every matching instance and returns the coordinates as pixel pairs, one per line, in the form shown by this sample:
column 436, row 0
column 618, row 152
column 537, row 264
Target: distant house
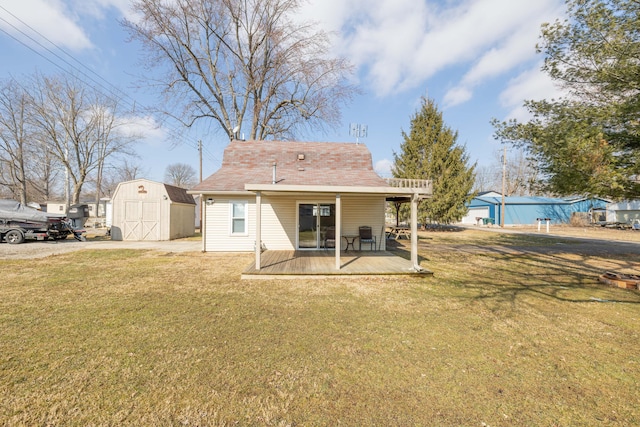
column 279, row 195
column 149, row 210
column 527, row 210
column 56, row 207
column 627, row 211
column 476, row 213
column 95, row 210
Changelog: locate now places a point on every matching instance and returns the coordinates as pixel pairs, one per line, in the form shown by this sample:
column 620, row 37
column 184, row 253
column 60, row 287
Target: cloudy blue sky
column 475, row 58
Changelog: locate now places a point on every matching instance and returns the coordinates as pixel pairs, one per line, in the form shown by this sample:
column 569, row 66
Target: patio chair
column 367, row 237
column 330, row 237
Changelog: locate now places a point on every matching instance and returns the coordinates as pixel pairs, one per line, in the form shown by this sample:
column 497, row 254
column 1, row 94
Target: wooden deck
column 321, row 264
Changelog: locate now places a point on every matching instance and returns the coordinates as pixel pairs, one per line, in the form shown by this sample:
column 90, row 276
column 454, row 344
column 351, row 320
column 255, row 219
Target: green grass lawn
column 494, row 338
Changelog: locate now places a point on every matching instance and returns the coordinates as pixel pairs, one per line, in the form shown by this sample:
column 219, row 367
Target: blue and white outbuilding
column 487, row 208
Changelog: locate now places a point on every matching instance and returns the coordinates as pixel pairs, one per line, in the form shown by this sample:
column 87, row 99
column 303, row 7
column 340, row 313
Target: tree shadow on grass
column 560, row 269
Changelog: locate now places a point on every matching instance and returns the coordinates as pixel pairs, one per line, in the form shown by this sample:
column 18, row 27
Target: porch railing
column 423, row 184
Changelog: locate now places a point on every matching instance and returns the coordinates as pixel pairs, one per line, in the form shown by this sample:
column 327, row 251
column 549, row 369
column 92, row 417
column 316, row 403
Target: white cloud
column 97, row 8
column 399, row 45
column 495, row 62
column 59, row 22
column 383, row 167
column 532, row 84
column 457, row 95
column 330, row 14
column 146, row 127
column 515, row 48
column 51, row 18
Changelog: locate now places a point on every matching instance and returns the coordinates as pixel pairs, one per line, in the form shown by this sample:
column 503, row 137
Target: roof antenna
column 358, row 130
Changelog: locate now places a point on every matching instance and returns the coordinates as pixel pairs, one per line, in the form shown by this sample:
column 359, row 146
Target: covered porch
column 321, row 264
column 411, row 191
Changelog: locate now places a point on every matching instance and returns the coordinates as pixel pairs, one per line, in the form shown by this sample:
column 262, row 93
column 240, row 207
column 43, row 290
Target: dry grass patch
column 146, row 338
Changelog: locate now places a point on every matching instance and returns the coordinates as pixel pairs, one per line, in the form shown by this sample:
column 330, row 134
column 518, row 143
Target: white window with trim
column 238, row 218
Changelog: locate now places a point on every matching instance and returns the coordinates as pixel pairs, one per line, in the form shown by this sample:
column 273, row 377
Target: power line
column 109, row 89
column 114, row 92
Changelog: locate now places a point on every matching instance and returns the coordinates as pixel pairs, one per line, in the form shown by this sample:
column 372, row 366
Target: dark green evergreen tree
column 430, row 151
column 589, row 142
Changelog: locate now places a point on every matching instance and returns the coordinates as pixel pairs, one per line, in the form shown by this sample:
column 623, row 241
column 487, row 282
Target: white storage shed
column 152, row 211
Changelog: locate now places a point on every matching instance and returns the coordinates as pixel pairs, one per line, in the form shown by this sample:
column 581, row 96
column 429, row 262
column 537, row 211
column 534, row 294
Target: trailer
column 19, row 223
column 14, row 233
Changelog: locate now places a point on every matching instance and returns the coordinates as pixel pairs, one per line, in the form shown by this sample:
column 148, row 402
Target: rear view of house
column 279, row 195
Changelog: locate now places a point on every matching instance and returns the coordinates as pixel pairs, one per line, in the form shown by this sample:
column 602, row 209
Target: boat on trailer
column 19, row 222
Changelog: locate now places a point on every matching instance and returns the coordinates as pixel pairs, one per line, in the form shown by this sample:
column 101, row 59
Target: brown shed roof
column 297, row 163
column 179, row 195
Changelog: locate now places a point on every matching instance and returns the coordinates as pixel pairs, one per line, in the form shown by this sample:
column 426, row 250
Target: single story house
column 96, row 210
column 147, row 210
column 283, row 196
column 527, row 210
column 627, row 211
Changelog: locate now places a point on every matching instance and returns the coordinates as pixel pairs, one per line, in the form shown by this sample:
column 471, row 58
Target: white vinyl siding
column 218, row 226
column 279, row 220
column 279, row 223
column 364, row 210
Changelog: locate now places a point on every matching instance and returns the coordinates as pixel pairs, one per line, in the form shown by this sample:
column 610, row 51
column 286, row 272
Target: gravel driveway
column 35, row 249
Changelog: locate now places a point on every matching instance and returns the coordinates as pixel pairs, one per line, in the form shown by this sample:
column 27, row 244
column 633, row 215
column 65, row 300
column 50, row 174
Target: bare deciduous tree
column 487, row 179
column 15, row 135
column 181, row 175
column 126, row 170
column 243, row 63
column 520, row 175
column 81, row 126
column 44, row 179
column 519, row 179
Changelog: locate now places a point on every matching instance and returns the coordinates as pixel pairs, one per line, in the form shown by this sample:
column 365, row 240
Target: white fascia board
column 220, row 193
column 345, row 189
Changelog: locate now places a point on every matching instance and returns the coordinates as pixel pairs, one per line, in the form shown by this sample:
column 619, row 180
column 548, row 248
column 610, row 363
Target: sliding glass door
column 313, row 221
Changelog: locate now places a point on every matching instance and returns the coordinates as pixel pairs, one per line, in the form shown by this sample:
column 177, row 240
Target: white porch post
column 203, row 222
column 258, row 229
column 338, row 230
column 414, row 231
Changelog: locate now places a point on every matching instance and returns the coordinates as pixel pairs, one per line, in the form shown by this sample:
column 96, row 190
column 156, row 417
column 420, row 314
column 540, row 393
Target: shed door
column 141, row 220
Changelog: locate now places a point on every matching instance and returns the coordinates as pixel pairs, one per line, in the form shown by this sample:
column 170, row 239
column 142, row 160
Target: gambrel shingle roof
column 297, row 163
column 179, row 195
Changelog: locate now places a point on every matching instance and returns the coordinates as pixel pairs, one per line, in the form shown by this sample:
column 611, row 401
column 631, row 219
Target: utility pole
column 200, row 154
column 504, row 177
column 201, row 201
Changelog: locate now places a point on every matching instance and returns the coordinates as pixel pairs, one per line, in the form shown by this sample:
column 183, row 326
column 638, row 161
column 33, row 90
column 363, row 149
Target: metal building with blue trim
column 527, row 210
